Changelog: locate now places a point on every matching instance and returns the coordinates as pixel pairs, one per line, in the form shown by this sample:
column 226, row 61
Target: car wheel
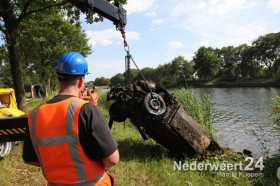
column 5, row 148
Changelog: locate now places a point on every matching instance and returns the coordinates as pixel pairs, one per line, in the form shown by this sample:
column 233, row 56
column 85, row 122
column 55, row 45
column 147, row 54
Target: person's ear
column 81, row 82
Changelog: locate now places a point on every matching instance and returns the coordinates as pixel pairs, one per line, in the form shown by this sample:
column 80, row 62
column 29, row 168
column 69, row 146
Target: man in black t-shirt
column 94, row 134
column 53, row 129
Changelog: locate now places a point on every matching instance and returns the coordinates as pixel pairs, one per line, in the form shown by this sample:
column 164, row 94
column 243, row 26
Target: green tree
column 239, row 55
column 46, row 36
column 102, row 81
column 175, row 69
column 117, row 79
column 276, row 67
column 206, row 63
column 267, row 49
column 188, row 69
column 90, row 83
column 228, row 62
column 147, row 72
column 185, row 69
column 12, row 16
column 248, row 67
column 180, row 70
column 161, row 75
column 5, row 77
column 134, row 75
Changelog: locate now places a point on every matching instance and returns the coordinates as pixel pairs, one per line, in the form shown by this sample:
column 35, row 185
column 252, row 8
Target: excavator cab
column 8, row 104
column 12, row 121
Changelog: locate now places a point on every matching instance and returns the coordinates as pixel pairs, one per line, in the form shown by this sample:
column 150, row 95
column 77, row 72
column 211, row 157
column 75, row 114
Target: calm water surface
column 238, row 111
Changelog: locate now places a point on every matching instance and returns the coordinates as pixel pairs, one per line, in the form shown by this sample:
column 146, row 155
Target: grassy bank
column 145, row 163
column 142, row 163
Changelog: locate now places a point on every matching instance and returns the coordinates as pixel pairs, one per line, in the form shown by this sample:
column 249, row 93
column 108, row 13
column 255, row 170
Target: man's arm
column 29, row 155
column 111, row 160
column 95, row 136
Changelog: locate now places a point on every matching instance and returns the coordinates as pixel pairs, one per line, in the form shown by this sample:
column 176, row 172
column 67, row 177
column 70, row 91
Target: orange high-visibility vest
column 94, row 98
column 55, row 137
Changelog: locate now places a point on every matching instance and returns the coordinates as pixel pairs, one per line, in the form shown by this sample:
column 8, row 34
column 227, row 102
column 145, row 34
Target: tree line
column 34, row 34
column 260, row 59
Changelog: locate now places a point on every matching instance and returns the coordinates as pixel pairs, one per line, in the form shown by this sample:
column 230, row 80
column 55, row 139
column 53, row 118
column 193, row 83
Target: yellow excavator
column 12, row 121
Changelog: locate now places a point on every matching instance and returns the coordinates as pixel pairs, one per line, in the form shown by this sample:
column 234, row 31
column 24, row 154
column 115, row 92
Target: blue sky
column 159, row 30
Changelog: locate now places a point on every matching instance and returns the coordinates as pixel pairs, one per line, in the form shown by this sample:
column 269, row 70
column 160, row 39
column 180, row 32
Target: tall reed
column 200, row 108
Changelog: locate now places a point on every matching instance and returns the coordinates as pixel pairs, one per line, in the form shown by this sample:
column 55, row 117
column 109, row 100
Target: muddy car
column 157, row 115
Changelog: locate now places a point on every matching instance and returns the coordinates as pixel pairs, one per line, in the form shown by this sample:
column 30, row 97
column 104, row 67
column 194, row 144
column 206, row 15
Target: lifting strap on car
column 128, row 57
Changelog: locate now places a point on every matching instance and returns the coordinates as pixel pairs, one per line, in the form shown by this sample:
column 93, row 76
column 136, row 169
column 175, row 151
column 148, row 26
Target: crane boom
column 115, row 13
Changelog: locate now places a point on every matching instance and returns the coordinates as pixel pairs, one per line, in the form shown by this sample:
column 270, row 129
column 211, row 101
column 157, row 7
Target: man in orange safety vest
column 68, row 137
column 94, row 96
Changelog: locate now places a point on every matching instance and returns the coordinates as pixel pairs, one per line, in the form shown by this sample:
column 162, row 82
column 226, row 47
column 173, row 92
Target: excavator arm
column 115, row 13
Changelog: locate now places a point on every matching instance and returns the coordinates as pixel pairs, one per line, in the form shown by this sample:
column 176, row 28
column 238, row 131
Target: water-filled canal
column 238, row 111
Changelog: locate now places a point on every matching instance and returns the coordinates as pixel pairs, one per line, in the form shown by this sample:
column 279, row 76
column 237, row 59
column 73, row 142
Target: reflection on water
column 239, row 110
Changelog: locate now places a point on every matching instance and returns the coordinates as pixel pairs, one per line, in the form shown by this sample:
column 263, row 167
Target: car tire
column 5, row 148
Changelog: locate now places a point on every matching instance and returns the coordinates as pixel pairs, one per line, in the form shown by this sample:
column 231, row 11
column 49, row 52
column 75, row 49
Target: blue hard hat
column 72, row 63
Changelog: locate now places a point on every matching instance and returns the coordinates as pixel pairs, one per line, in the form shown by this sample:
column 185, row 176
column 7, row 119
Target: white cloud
column 151, row 14
column 192, row 14
column 244, row 33
column 175, row 44
column 104, row 68
column 220, row 22
column 134, row 6
column 225, row 7
column 205, row 43
column 109, row 36
column 274, row 5
column 157, row 21
column 210, row 8
column 183, row 8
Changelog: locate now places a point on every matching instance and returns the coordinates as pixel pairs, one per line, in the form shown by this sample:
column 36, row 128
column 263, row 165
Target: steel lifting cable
column 126, row 48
